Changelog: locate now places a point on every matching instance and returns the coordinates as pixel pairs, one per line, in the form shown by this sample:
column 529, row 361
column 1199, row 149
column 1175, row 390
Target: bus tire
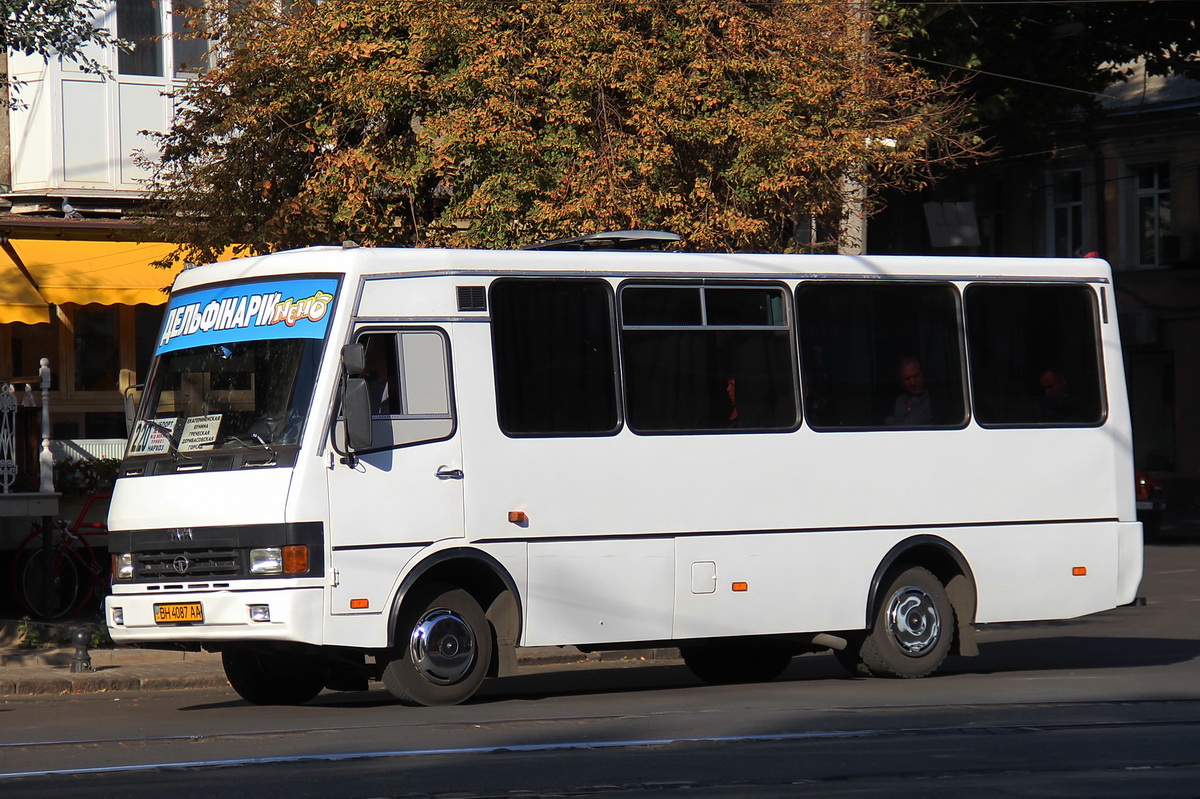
column 725, row 663
column 272, row 678
column 443, row 648
column 913, row 629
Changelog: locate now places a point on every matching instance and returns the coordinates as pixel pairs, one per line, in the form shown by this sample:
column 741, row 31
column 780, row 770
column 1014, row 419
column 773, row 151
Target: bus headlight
column 268, row 560
column 122, row 566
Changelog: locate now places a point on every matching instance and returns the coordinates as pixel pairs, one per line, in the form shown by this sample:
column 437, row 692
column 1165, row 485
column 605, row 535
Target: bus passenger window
column 707, row 358
column 553, row 346
column 880, row 355
column 1035, row 357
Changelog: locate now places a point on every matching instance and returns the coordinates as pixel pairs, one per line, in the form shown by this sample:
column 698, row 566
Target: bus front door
column 406, row 491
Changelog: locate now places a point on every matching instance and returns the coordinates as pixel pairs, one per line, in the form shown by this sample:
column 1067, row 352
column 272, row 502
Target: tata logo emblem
column 181, row 534
column 181, row 564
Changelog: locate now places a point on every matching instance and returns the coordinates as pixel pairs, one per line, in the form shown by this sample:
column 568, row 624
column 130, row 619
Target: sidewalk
column 47, row 670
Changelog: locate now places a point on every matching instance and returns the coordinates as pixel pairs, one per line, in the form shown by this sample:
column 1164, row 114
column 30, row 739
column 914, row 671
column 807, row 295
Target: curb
column 47, row 672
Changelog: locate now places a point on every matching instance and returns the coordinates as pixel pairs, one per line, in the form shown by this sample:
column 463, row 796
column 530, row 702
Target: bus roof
column 368, row 262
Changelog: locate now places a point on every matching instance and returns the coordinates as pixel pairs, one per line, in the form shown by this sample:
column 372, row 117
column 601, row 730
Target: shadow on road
column 1074, row 653
column 1064, row 654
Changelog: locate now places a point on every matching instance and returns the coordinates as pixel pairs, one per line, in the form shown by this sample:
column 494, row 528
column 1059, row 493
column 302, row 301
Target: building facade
column 1124, row 185
column 78, row 284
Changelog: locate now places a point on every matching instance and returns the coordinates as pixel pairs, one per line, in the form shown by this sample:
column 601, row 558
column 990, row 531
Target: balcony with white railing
column 26, row 460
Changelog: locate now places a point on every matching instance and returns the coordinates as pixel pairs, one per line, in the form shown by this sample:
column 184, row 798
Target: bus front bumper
column 291, row 615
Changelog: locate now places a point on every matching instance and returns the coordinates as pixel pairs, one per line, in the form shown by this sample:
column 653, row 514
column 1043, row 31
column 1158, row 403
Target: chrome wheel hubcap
column 442, row 647
column 913, row 621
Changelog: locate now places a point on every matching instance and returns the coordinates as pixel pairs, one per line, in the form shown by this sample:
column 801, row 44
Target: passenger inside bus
column 1055, row 402
column 912, row 408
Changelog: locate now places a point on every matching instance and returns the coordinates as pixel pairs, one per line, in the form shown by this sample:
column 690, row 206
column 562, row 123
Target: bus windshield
column 236, row 394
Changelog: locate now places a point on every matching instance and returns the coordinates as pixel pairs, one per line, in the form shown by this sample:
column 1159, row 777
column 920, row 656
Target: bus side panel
column 794, row 582
column 595, row 592
column 365, row 579
column 1026, row 573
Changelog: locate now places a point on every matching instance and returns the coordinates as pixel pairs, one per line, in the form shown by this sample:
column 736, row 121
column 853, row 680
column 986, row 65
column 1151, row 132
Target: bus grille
column 188, row 563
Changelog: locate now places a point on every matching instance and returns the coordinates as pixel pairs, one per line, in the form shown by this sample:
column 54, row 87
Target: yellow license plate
column 176, row 612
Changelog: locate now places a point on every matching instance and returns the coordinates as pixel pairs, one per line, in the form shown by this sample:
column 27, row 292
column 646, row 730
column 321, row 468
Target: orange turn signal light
column 295, row 559
column 517, row 517
column 360, row 604
column 741, row 586
column 1079, row 571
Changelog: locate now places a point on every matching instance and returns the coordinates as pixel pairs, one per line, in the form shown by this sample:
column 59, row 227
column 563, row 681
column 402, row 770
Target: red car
column 1147, row 494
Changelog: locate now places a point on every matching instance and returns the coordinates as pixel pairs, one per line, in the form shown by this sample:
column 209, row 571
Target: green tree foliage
column 1030, row 62
column 489, row 123
column 52, row 29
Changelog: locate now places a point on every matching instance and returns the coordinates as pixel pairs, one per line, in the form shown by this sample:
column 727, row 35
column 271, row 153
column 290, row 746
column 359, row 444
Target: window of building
column 880, row 355
column 89, row 347
column 147, row 324
column 1153, row 212
column 189, row 52
column 553, row 344
column 1066, row 214
column 97, row 347
column 707, row 357
column 139, row 22
column 142, row 23
column 1034, row 355
column 28, row 345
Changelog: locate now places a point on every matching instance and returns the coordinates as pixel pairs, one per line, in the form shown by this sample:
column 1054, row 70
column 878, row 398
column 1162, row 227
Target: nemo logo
column 291, row 311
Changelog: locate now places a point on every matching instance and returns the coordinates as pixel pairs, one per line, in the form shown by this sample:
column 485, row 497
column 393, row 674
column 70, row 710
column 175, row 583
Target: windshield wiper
column 259, row 442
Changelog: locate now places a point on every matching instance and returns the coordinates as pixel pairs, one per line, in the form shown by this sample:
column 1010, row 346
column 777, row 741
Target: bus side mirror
column 354, row 359
column 356, row 401
column 356, row 407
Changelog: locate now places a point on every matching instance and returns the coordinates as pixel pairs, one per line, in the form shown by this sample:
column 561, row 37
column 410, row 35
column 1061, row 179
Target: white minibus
column 355, row 464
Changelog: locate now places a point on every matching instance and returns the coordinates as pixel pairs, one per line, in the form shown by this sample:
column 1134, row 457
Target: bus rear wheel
column 912, row 631
column 443, row 648
column 272, row 678
column 724, row 663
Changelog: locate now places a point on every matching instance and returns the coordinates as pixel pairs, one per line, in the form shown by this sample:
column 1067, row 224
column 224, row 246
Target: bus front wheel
column 272, row 678
column 912, row 630
column 443, row 648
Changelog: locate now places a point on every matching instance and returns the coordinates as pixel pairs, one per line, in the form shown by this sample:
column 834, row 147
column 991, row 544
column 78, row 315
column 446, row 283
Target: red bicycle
column 75, row 573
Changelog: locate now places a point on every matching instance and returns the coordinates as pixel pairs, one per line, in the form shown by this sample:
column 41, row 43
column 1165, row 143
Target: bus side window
column 707, row 358
column 1035, row 357
column 408, row 382
column 553, row 345
column 861, row 344
column 382, row 374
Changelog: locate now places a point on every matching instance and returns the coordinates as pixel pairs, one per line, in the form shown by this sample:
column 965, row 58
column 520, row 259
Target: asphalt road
column 1108, row 705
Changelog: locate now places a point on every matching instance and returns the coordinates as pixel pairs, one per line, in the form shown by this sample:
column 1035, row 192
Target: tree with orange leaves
column 487, row 123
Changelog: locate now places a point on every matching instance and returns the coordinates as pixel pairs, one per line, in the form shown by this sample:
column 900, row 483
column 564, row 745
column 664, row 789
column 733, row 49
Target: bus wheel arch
column 923, row 586
column 459, row 593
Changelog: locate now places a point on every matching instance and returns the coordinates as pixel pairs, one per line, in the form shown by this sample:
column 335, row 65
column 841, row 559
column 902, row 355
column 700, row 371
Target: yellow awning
column 19, row 300
column 106, row 272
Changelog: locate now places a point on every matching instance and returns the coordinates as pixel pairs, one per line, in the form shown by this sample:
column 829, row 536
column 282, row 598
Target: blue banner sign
column 279, row 309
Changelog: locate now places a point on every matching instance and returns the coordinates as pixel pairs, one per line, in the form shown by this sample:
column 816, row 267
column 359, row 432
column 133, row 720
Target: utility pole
column 852, row 232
